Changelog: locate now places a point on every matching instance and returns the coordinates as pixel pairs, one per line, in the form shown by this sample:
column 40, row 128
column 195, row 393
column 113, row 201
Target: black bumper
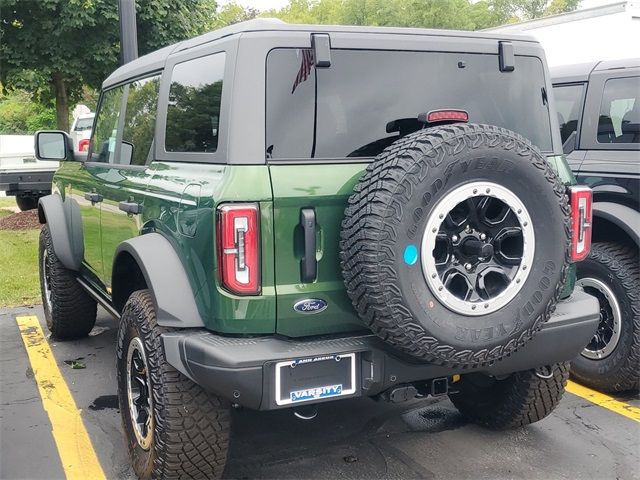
column 37, row 181
column 242, row 370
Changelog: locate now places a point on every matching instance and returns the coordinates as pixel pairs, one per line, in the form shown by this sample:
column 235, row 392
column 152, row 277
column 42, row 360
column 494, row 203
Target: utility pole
column 128, row 31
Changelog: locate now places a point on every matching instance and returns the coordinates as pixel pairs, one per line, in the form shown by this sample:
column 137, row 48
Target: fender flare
column 165, row 277
column 620, row 215
column 65, row 226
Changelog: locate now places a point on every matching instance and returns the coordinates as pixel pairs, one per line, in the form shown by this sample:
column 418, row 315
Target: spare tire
column 455, row 244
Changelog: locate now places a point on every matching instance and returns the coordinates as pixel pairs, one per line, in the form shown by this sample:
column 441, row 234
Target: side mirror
column 53, row 145
column 126, row 152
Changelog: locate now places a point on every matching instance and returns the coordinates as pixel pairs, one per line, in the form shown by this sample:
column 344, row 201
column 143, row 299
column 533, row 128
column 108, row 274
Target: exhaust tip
column 306, row 413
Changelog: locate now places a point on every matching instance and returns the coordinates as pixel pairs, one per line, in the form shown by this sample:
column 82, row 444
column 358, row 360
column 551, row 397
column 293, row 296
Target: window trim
column 595, row 92
column 121, row 119
column 229, row 48
column 581, row 105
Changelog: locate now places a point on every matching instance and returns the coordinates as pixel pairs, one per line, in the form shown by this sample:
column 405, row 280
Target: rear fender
column 622, row 216
column 164, row 276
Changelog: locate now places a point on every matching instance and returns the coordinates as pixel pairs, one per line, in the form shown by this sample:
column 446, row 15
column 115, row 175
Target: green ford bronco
column 281, row 215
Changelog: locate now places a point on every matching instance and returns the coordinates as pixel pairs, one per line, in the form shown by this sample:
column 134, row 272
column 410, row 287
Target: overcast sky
column 268, row 4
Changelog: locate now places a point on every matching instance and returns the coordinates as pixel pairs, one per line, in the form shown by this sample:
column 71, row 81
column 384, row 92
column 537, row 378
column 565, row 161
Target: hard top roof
column 156, row 60
column 580, row 72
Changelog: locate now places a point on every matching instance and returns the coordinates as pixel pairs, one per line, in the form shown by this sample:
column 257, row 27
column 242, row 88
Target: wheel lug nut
column 454, row 238
column 483, row 236
column 467, row 266
column 467, row 229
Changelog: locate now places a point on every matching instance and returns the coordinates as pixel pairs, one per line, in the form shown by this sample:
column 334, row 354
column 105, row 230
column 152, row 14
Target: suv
column 283, row 215
column 599, row 114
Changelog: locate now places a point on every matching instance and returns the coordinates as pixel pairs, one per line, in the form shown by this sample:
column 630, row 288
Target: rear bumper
column 38, row 181
column 242, row 370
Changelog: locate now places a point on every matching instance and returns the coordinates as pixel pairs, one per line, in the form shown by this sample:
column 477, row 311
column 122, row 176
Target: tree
column 69, row 43
column 231, row 13
column 453, row 14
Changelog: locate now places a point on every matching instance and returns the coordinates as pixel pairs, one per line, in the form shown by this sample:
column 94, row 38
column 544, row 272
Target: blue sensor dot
column 410, row 254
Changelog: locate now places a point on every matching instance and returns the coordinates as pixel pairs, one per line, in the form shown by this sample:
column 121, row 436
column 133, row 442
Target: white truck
column 21, row 174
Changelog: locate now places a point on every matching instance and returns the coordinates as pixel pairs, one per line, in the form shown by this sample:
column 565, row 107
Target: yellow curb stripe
column 76, row 452
column 605, row 401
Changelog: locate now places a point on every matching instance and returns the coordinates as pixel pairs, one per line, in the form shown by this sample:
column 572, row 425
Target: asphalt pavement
column 358, row 438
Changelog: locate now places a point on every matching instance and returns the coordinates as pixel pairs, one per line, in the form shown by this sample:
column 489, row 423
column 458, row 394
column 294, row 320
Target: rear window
column 569, row 108
column 365, row 90
column 619, row 120
column 83, row 124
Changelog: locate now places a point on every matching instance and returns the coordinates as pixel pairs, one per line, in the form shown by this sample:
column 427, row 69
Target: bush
column 20, row 115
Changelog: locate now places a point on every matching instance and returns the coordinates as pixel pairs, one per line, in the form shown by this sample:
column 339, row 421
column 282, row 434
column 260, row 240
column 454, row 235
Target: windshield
column 367, row 99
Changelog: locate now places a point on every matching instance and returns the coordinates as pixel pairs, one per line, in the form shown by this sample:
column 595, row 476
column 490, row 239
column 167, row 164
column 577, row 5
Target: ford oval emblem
column 310, row 305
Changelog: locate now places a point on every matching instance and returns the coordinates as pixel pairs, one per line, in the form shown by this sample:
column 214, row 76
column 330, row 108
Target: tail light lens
column 238, row 248
column 581, row 221
column 83, row 145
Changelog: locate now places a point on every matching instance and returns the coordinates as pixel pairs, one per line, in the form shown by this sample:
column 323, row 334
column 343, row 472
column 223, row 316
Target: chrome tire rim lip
column 46, row 279
column 440, row 212
column 616, row 319
column 139, row 395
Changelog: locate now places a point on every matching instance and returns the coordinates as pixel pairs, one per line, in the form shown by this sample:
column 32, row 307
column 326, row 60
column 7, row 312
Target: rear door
column 324, row 125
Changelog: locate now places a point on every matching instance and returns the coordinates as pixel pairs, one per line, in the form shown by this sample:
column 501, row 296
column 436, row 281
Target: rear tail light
column 581, row 221
column 83, row 145
column 238, row 248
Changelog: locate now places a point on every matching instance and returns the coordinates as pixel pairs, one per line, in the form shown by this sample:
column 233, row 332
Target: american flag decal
column 305, row 68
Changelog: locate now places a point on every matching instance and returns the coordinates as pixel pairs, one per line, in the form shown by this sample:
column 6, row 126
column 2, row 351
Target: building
column 607, row 32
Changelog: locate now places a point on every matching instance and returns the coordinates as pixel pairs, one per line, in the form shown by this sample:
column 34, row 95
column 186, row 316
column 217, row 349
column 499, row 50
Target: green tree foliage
column 21, row 115
column 74, row 42
column 450, row 14
column 233, row 12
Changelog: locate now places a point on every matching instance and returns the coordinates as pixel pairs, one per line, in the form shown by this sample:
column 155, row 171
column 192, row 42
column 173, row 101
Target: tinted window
column 363, row 92
column 619, row 120
column 103, row 138
column 569, row 107
column 193, row 115
column 139, row 120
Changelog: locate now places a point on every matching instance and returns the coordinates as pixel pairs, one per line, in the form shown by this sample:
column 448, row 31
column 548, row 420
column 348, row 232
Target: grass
column 19, row 282
column 7, row 202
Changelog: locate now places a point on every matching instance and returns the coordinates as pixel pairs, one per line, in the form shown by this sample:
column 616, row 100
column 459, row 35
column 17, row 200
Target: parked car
column 282, row 215
column 599, row 115
column 21, row 175
column 81, row 131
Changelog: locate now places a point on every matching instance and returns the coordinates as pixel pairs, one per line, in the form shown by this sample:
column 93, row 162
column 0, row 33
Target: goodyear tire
column 518, row 400
column 172, row 427
column 68, row 309
column 611, row 360
column 455, row 243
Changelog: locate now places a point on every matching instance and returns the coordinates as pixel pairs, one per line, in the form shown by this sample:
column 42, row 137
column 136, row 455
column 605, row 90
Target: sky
column 268, row 4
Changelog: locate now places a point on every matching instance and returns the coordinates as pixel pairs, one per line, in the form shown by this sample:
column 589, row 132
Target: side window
column 619, row 120
column 139, row 121
column 103, row 138
column 569, row 107
column 291, row 82
column 193, row 112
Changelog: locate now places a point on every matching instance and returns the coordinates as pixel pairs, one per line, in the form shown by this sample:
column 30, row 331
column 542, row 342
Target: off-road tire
column 522, row 398
column 190, row 434
column 390, row 207
column 72, row 311
column 26, row 202
column 618, row 267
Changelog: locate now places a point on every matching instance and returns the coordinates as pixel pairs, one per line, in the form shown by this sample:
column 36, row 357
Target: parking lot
column 584, row 438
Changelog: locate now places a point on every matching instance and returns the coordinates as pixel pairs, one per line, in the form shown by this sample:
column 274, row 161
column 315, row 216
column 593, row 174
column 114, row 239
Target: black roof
column 156, row 60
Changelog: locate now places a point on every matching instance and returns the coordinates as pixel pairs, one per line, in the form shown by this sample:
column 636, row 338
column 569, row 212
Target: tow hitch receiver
column 439, row 386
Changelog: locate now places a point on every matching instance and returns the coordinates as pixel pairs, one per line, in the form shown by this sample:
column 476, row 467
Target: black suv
column 599, row 115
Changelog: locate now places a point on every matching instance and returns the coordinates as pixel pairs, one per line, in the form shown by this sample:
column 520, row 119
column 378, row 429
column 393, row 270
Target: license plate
column 315, row 378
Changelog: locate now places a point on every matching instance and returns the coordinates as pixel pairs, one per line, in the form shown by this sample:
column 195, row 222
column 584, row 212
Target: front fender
column 165, row 277
column 65, row 225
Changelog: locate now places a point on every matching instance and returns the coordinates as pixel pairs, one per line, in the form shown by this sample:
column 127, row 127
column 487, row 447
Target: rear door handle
column 93, row 197
column 130, row 207
column 308, row 265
